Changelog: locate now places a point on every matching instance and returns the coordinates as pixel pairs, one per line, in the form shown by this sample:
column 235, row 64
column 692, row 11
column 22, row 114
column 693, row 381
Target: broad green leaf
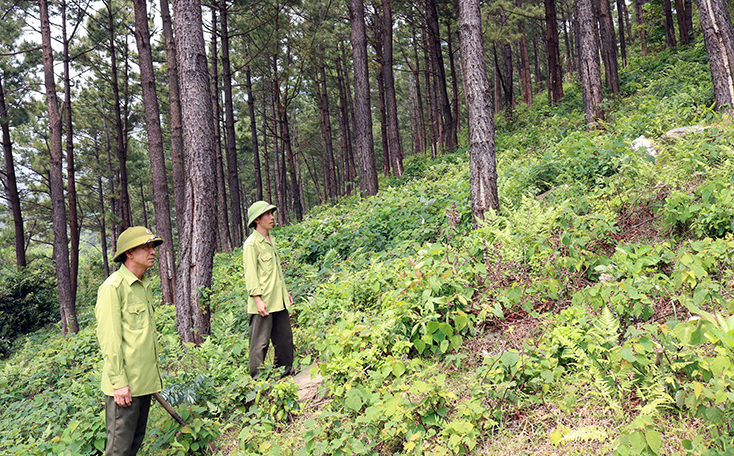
column 398, row 368
column 461, row 319
column 353, row 399
column 432, row 327
column 652, row 437
column 446, row 329
column 637, row 440
column 510, row 358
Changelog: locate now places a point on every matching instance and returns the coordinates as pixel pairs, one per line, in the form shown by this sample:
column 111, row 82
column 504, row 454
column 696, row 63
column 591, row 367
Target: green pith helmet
column 133, row 237
column 256, row 210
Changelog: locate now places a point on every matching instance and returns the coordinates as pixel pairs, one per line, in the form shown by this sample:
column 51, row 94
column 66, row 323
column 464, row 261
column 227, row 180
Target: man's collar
column 130, row 278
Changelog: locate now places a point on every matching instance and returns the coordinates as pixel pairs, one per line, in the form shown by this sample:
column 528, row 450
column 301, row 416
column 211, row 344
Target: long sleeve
column 252, row 278
column 109, row 334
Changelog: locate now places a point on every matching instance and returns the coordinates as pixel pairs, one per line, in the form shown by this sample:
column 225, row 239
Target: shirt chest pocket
column 136, row 315
column 266, row 263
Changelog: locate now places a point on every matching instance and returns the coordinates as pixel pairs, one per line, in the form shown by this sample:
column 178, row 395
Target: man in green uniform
column 269, row 299
column 127, row 339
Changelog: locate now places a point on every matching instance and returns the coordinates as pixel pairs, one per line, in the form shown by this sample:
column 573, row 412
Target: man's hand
column 262, row 309
column 123, row 397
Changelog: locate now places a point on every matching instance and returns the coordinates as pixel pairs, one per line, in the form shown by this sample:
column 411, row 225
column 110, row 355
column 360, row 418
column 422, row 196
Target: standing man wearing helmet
column 127, row 339
column 269, row 299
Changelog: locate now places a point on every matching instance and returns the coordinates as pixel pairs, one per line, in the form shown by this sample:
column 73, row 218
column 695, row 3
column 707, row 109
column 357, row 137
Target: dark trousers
column 126, row 425
column 275, row 327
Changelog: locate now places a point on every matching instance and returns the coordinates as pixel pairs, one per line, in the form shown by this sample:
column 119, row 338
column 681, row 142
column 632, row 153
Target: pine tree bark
column 589, row 65
column 525, row 79
column 430, row 97
column 689, row 18
column 482, row 160
column 680, row 14
column 124, row 196
column 448, row 137
column 362, row 116
column 280, row 190
column 178, row 167
column 101, row 217
column 421, row 139
column 668, row 25
column 166, row 265
column 555, row 74
column 11, row 183
column 74, row 229
column 345, row 129
column 330, row 184
column 718, row 35
column 69, row 323
column 225, row 239
column 232, row 171
column 197, row 241
column 253, row 133
column 641, row 26
column 608, row 46
column 622, row 40
column 508, row 86
column 391, row 105
column 454, row 77
column 266, row 156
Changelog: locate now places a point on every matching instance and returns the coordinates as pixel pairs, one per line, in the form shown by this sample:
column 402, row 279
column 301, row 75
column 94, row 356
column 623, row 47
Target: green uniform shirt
column 127, row 334
column 263, row 274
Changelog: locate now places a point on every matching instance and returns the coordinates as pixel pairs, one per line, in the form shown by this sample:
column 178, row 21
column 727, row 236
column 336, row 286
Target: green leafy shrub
column 27, row 303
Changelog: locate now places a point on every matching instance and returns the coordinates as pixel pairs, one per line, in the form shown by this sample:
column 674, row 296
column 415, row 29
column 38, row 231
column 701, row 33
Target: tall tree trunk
column 393, row 131
column 538, row 71
column 330, row 184
column 102, row 210
column 454, row 77
column 225, row 239
column 641, row 26
column 508, row 86
column 280, row 196
column 419, row 97
column 292, row 171
column 166, row 265
column 566, row 40
column 680, row 13
column 718, row 35
column 482, row 161
column 382, row 109
column 232, row 172
column 266, row 157
column 689, row 18
column 198, row 238
column 608, row 46
column 11, row 183
column 350, row 110
column 120, row 133
column 525, row 79
column 668, row 23
column 253, row 133
column 430, row 98
column 111, row 179
column 589, row 71
column 346, row 133
column 622, row 41
column 74, row 229
column 362, row 116
column 178, row 167
column 448, row 138
column 67, row 305
column 555, row 75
